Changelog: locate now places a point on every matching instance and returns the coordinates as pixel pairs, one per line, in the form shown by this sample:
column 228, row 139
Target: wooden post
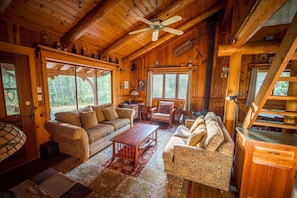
column 291, row 105
column 232, row 89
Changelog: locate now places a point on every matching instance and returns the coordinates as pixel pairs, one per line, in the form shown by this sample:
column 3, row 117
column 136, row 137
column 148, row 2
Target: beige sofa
column 201, row 151
column 82, row 133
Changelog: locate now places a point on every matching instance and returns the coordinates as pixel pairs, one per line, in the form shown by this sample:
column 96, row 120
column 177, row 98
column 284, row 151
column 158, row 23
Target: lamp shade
column 134, row 93
column 11, row 140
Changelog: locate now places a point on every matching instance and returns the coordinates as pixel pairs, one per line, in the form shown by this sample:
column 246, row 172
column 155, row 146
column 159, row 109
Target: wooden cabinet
column 265, row 163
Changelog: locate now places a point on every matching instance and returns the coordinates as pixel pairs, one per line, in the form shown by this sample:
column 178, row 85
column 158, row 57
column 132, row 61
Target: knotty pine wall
column 166, row 58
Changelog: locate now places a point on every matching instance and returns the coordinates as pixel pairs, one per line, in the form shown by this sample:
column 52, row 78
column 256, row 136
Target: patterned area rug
column 106, row 182
column 127, row 167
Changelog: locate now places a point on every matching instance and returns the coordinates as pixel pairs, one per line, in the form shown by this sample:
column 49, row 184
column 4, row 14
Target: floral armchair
column 163, row 113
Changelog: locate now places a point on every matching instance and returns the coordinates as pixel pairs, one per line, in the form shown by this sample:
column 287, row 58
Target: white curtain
column 188, row 105
column 149, row 88
column 252, row 88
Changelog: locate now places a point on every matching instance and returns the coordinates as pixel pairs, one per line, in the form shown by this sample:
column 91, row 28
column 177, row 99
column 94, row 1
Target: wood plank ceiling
column 104, row 25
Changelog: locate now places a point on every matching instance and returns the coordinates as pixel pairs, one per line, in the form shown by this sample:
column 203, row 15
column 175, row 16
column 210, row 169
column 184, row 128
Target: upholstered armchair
column 163, row 113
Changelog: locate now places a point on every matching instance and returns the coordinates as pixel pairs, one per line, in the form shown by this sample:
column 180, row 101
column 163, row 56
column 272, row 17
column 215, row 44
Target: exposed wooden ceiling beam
column 3, row 5
column 279, row 63
column 227, row 13
column 167, row 37
column 256, row 19
column 178, row 5
column 82, row 26
column 260, row 47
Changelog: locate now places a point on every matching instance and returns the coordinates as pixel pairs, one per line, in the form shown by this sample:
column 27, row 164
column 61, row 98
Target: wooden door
column 17, row 106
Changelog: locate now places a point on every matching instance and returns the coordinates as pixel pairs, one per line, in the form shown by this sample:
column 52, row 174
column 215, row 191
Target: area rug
column 127, row 167
column 152, row 181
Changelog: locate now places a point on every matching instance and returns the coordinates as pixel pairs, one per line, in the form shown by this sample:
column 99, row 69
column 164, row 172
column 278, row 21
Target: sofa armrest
column 126, row 113
column 72, row 140
column 64, row 129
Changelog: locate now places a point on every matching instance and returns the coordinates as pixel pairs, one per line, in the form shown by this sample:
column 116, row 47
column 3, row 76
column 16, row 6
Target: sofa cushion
column 88, row 119
column 118, row 123
column 196, row 123
column 99, row 132
column 165, row 107
column 197, row 135
column 168, row 150
column 210, row 116
column 182, row 131
column 99, row 113
column 214, row 137
column 110, row 113
column 70, row 117
column 160, row 116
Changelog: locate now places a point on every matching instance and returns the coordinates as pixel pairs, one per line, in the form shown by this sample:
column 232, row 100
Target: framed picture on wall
column 141, row 85
column 126, row 85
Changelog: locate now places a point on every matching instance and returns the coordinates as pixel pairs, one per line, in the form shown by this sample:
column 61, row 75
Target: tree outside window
column 170, row 86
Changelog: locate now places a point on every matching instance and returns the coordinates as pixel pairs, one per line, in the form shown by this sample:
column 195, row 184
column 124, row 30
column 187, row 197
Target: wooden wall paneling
column 3, row 32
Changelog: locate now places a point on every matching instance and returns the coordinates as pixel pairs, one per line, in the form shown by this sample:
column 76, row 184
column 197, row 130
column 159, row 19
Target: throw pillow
column 110, row 113
column 215, row 136
column 99, row 113
column 196, row 136
column 182, row 132
column 88, row 119
column 197, row 122
column 165, row 107
column 70, row 117
column 210, row 116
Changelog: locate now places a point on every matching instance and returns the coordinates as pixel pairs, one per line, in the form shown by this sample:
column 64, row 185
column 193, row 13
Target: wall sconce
column 234, row 98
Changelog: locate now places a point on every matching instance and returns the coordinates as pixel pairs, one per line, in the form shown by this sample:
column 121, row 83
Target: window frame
column 164, row 84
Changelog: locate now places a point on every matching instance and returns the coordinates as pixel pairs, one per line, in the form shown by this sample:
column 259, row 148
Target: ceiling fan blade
column 171, row 20
column 144, row 20
column 155, row 35
column 140, row 30
column 172, row 31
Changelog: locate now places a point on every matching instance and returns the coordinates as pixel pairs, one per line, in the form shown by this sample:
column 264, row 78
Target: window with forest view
column 170, row 86
column 280, row 88
column 72, row 87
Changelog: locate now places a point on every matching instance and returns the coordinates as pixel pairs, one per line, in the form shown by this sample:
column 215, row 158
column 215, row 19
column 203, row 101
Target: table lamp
column 134, row 93
column 11, row 140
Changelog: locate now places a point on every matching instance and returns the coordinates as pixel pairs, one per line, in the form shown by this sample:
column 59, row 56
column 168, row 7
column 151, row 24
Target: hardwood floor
column 203, row 191
column 15, row 176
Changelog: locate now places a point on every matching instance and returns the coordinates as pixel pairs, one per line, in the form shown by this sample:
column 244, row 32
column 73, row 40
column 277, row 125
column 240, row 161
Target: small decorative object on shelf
column 190, row 62
column 99, row 55
column 65, row 48
column 117, row 60
column 74, row 49
column 157, row 64
column 82, row 52
column 58, row 46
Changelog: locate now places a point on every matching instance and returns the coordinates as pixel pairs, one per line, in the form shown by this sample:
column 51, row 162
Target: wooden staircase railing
column 285, row 53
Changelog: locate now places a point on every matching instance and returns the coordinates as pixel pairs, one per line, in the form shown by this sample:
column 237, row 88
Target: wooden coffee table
column 133, row 142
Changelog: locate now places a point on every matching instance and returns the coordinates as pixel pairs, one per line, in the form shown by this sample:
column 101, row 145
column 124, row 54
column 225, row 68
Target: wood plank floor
column 203, row 191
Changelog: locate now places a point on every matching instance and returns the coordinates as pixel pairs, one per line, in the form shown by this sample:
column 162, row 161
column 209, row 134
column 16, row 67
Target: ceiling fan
column 157, row 24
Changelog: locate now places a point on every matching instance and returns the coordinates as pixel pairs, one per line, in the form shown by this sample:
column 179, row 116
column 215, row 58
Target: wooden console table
column 265, row 164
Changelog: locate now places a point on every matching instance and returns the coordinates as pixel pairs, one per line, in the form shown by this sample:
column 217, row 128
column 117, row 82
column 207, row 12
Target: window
column 280, row 88
column 11, row 98
column 170, row 86
column 71, row 87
